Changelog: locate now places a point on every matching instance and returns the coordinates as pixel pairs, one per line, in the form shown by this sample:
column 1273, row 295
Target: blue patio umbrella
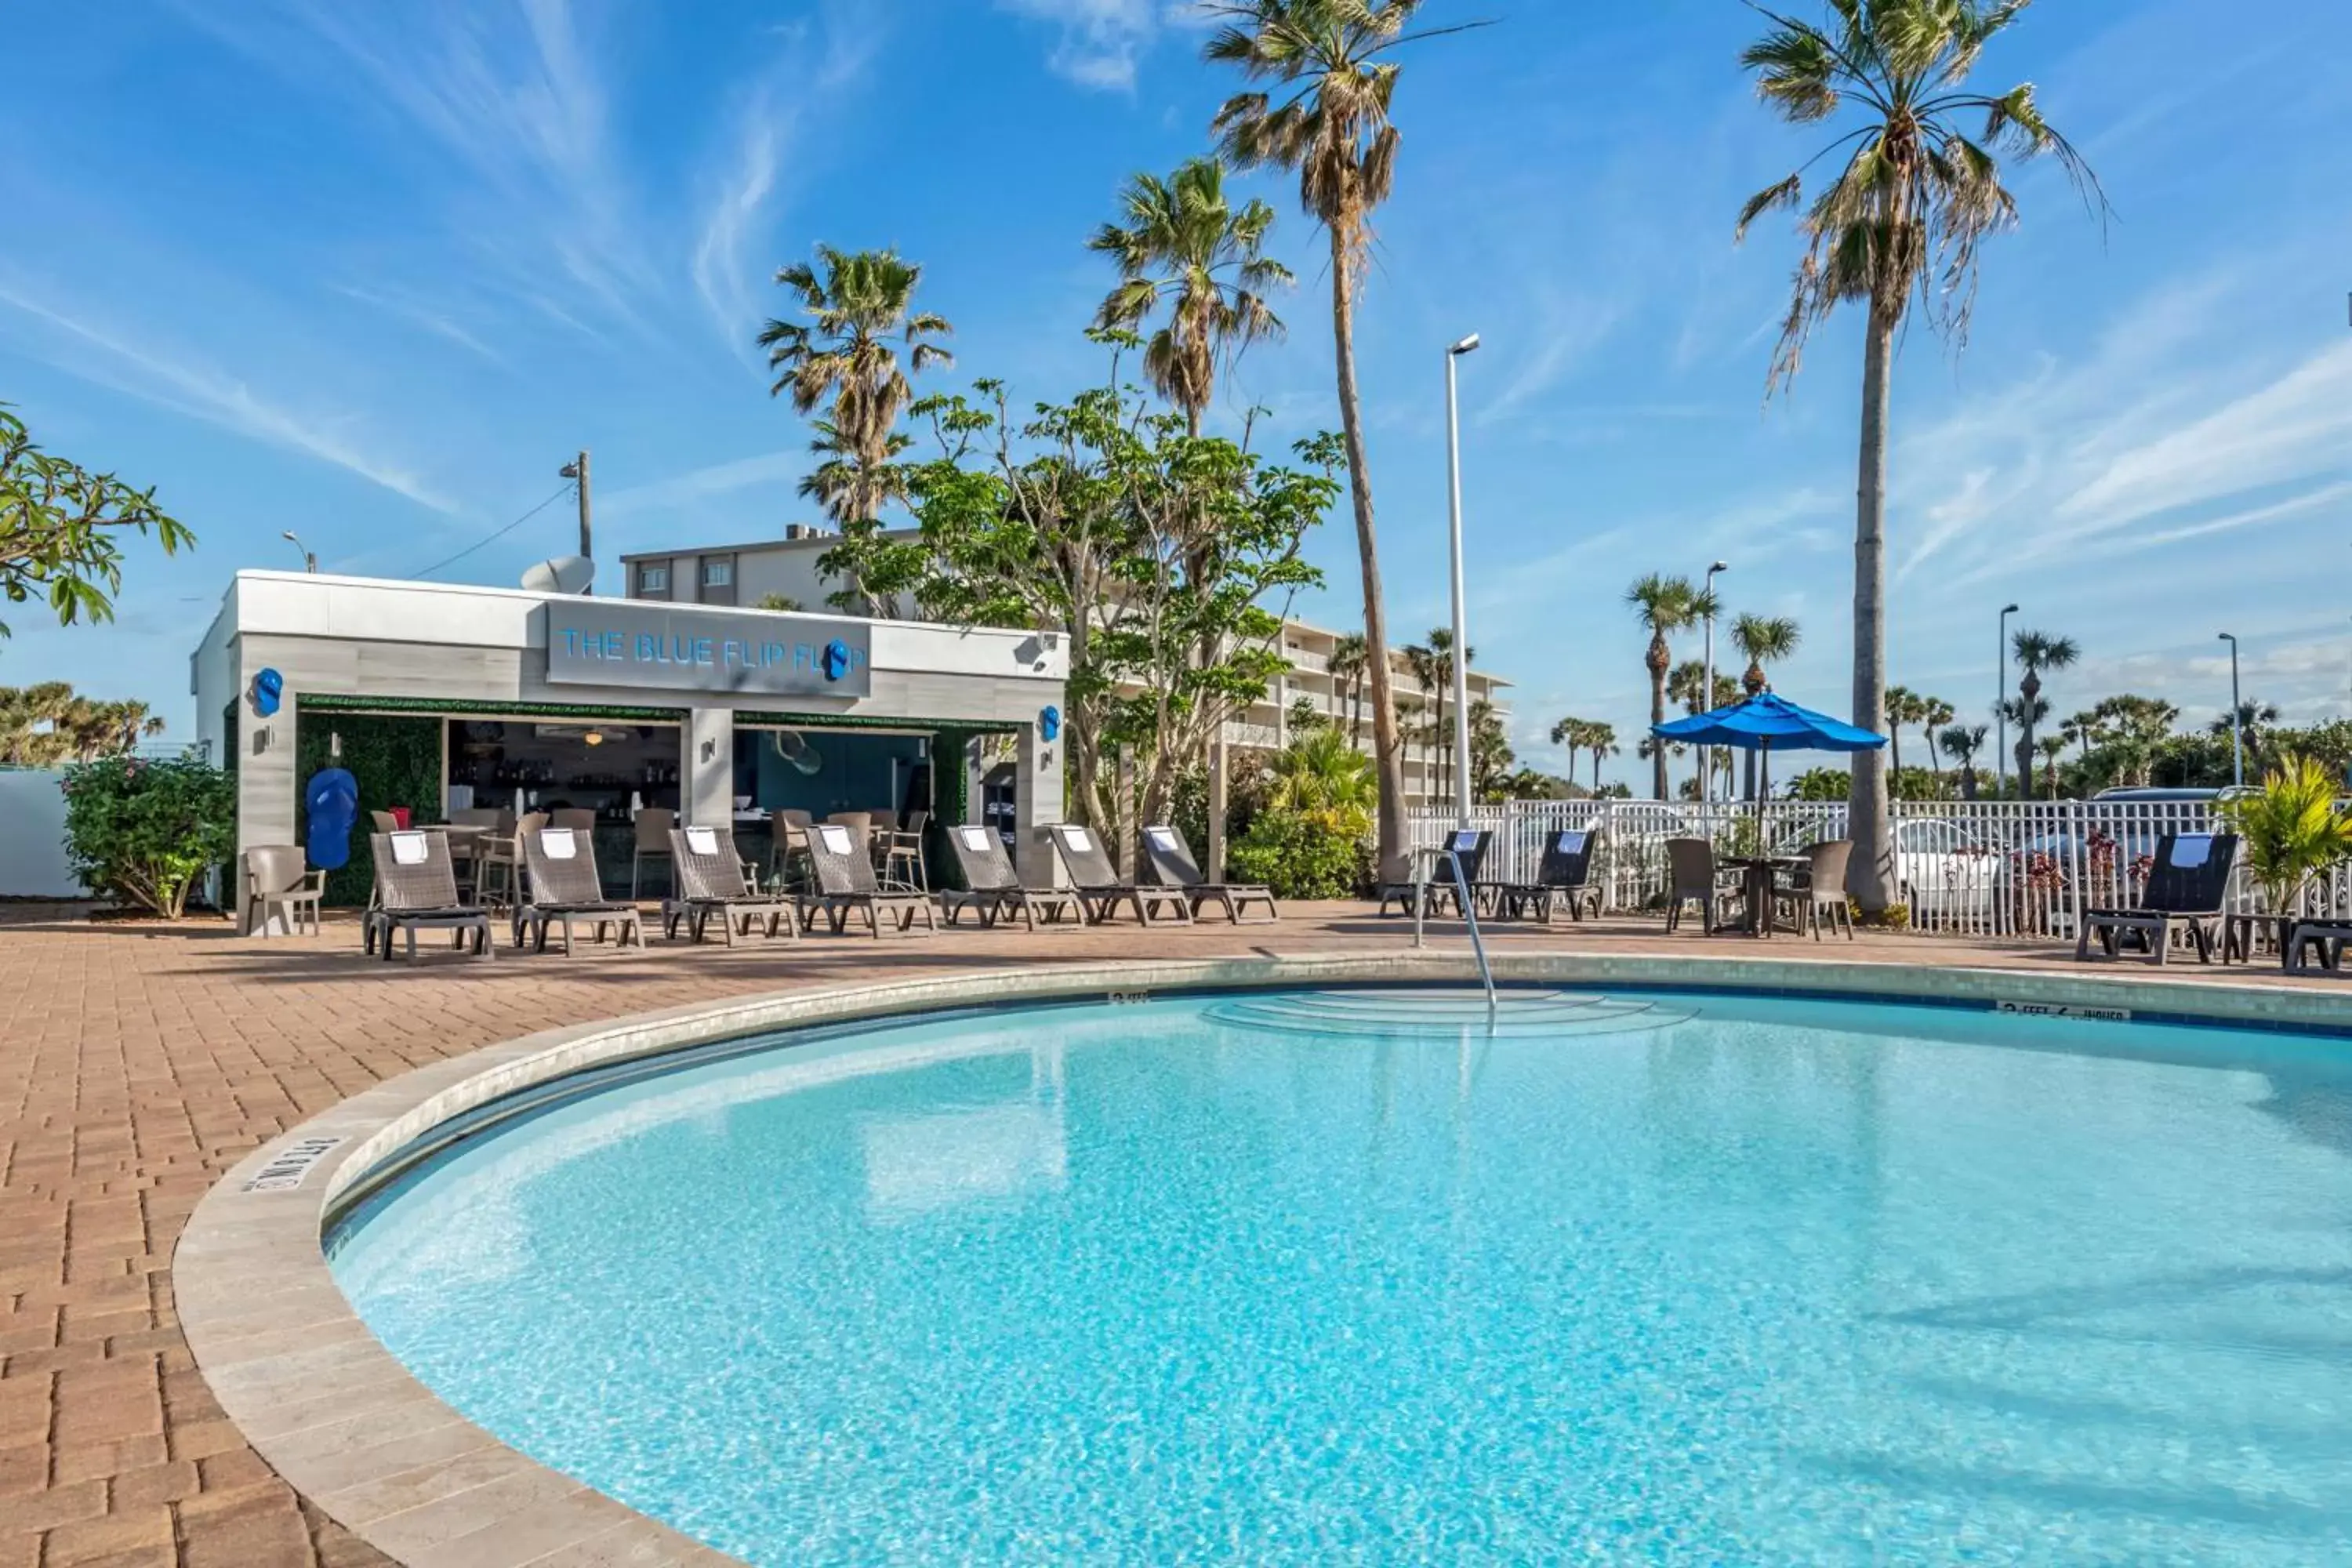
column 1768, row 722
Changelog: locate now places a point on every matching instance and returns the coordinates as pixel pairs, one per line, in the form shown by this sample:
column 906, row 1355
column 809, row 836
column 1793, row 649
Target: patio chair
column 1167, row 859
column 1816, row 896
column 560, row 866
column 846, row 885
column 1691, row 879
column 416, row 890
column 1564, row 878
column 278, row 878
column 653, row 842
column 901, row 851
column 710, row 881
column 2185, row 888
column 1469, row 847
column 788, row 847
column 1101, row 890
column 991, row 887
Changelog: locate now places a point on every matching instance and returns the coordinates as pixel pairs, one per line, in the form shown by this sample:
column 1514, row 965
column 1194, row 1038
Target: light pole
column 1707, row 703
column 2237, row 718
column 1461, row 633
column 2000, row 714
column 309, row 562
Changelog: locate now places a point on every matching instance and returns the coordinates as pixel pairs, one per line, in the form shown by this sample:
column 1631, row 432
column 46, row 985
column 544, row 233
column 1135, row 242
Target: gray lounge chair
column 991, row 887
column 710, row 881
column 1101, row 890
column 1468, row 846
column 2185, row 888
column 559, row 864
column 846, row 885
column 416, row 890
column 1170, row 862
column 1564, row 880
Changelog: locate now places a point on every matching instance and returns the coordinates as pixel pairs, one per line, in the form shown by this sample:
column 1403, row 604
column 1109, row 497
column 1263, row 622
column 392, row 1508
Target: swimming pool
column 1311, row 1277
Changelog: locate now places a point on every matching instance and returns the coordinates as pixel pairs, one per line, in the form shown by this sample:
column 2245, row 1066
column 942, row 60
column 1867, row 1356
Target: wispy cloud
column 425, row 318
column 1099, row 41
column 697, row 485
column 131, row 364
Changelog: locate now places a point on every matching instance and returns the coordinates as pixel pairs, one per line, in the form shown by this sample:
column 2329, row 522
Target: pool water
column 1309, row 1279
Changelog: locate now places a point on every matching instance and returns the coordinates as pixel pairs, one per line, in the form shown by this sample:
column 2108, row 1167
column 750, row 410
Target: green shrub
column 1301, row 855
column 145, row 831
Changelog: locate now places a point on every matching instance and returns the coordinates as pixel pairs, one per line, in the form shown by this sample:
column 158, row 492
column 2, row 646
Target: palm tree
column 1907, row 211
column 2253, row 717
column 860, row 303
column 2036, row 652
column 2133, row 727
column 1932, row 715
column 1961, row 742
column 1421, row 663
column 1663, row 605
column 1185, row 245
column 1332, row 127
column 2052, row 747
column 1901, row 708
column 1601, row 740
column 1320, row 773
column 1761, row 640
column 1348, row 668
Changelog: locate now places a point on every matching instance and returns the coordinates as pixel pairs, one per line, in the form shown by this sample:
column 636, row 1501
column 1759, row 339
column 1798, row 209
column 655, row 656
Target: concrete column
column 1037, row 804
column 1215, row 866
column 709, row 743
column 974, row 771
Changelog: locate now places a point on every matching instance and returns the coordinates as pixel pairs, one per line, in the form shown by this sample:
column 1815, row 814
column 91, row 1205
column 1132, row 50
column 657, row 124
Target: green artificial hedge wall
column 396, row 760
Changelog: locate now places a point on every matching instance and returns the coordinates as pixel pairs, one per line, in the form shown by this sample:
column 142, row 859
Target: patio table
column 1758, row 919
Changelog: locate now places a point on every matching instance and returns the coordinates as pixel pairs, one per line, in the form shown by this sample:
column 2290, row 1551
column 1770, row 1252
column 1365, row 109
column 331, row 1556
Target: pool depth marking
column 286, row 1170
column 2064, row 1010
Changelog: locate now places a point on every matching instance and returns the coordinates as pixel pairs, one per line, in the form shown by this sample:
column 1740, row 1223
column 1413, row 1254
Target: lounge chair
column 991, row 887
column 416, row 890
column 561, row 865
column 1101, row 890
column 1469, row 845
column 278, row 881
column 845, row 883
column 2315, row 936
column 710, row 881
column 2185, row 888
column 1564, row 878
column 1170, row 862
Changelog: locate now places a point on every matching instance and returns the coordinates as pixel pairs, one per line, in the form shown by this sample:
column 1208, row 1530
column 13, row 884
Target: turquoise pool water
column 1309, row 1279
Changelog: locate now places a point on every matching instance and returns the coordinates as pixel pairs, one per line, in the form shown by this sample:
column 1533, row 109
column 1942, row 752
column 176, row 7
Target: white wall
column 33, row 838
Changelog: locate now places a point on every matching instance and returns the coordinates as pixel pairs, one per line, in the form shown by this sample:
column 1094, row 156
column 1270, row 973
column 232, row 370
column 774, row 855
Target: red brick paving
column 139, row 1062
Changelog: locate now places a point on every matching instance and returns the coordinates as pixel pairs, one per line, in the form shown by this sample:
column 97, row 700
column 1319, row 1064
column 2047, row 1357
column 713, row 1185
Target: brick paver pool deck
column 139, row 1062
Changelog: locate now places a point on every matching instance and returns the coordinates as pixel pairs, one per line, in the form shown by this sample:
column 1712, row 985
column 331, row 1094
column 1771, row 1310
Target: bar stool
column 788, row 845
column 497, row 877
column 654, row 823
column 902, row 856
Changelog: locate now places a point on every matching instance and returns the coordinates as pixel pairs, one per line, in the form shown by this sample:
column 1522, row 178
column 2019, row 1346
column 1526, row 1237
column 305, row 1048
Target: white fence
column 33, row 862
column 2024, row 868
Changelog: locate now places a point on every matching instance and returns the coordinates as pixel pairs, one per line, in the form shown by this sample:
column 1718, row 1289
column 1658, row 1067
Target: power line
column 560, row 491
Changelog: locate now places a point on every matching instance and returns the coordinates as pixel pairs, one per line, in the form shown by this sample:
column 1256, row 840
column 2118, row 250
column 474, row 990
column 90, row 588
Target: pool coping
column 343, row 1422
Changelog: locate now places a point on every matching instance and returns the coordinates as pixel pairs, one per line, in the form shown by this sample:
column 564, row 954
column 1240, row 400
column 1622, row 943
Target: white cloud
column 1099, row 41
column 130, row 363
column 696, row 485
column 426, row 317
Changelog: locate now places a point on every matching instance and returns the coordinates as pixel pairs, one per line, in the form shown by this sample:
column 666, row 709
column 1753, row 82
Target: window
column 719, row 571
column 653, row 579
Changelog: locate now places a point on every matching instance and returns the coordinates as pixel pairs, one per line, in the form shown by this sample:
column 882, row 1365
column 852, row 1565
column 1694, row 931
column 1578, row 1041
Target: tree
column 1490, row 750
column 1961, row 742
column 1586, row 735
column 1663, row 605
column 1348, row 668
column 145, row 831
column 2253, row 720
column 2052, row 747
column 1184, row 246
column 1901, row 708
column 2036, row 652
column 861, row 301
column 1933, row 714
column 1761, row 640
column 46, row 725
column 1331, row 127
column 1905, row 213
column 2129, row 730
column 1438, row 661
column 62, row 526
column 1319, row 773
column 1687, row 686
column 1081, row 518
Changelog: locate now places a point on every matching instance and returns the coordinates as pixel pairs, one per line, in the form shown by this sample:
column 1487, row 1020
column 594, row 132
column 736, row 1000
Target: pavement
column 139, row 1061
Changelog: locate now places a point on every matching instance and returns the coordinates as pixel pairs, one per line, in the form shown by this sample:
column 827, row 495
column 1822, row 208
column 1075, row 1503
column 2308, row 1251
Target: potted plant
column 2289, row 831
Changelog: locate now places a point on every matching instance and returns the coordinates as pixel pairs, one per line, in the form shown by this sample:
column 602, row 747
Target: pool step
column 1421, row 1011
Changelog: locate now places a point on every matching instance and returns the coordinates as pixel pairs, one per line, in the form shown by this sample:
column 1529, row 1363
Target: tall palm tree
column 1761, row 640
column 1933, row 714
column 1184, row 246
column 1348, row 666
column 1663, row 605
column 1905, row 213
column 1421, row 663
column 1902, row 706
column 844, row 356
column 1441, row 672
column 2254, row 718
column 1601, row 740
column 1961, row 742
column 1331, row 126
column 2036, row 652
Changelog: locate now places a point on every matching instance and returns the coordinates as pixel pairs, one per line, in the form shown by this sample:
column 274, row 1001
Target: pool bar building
column 437, row 697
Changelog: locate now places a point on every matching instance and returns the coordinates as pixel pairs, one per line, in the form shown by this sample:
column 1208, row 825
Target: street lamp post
column 309, row 562
column 1461, row 633
column 1706, row 698
column 2000, row 714
column 2237, row 718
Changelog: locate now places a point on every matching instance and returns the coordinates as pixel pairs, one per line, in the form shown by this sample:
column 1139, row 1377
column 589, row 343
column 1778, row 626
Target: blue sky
column 373, row 272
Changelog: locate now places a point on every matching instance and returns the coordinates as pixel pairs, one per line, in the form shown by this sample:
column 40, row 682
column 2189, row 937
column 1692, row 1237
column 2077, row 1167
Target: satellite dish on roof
column 562, row 575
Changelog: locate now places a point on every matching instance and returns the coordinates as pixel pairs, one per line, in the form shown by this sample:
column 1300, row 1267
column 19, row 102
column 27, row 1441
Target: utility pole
column 576, row 471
